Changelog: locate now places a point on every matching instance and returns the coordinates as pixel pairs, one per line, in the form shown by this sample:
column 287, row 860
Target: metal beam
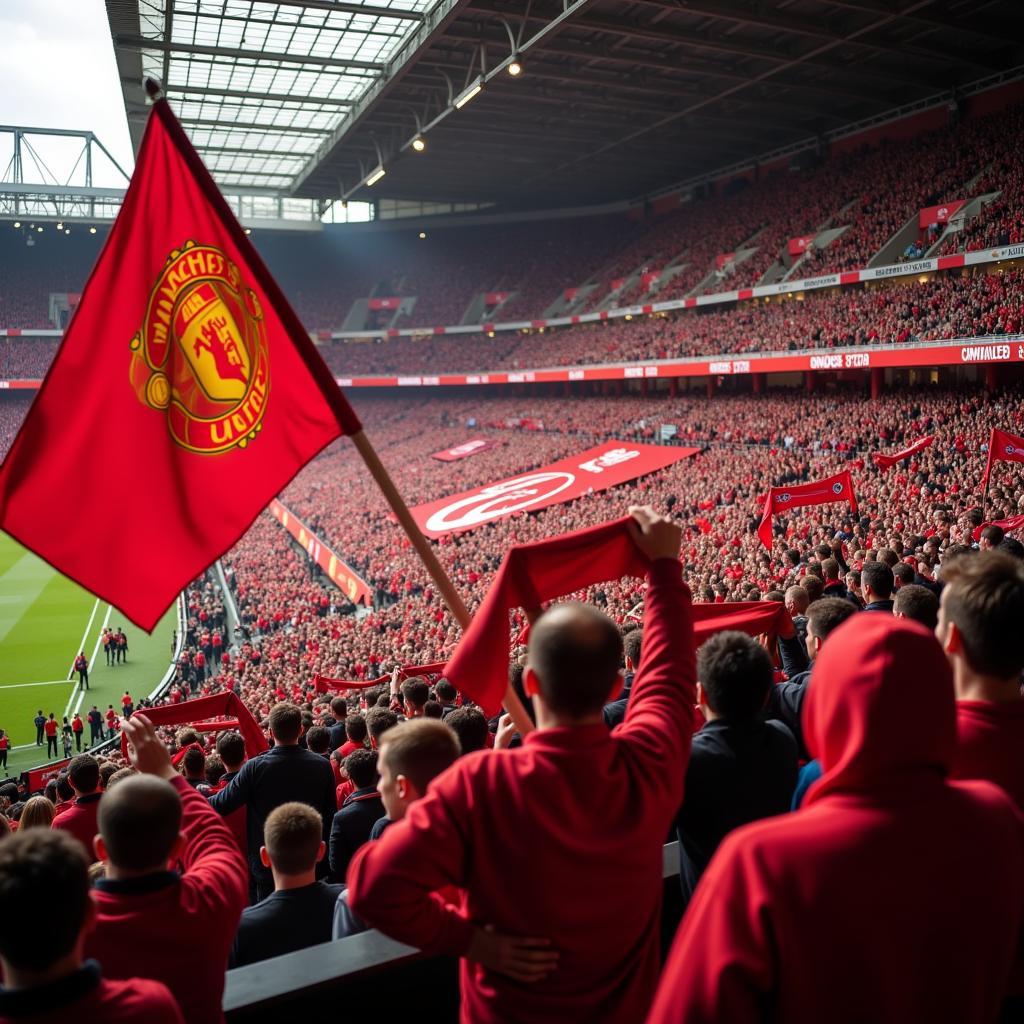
column 248, row 126
column 1003, row 31
column 260, row 56
column 241, row 94
column 370, row 10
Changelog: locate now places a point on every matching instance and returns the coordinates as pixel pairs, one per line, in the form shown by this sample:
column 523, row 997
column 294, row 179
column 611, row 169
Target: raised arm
column 659, row 717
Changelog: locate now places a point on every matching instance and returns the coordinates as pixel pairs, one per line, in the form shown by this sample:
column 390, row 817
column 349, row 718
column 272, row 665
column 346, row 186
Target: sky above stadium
column 59, row 71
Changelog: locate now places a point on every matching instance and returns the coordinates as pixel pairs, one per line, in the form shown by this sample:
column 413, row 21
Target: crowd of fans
column 335, row 829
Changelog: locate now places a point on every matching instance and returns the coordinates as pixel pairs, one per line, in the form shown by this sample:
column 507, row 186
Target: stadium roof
column 616, row 98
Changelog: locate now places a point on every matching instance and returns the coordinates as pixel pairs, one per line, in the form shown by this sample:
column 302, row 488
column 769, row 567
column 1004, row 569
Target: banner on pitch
column 463, row 451
column 614, row 462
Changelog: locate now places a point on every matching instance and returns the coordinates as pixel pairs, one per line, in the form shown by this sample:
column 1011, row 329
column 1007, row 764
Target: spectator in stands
column 786, row 700
column 80, row 818
column 155, row 923
column 46, row 977
column 352, row 825
column 412, row 755
column 231, row 751
column 446, row 697
column 553, row 944
column 796, row 602
column 284, row 774
column 742, row 767
column 980, row 629
column 415, row 694
column 916, row 603
column 38, row 812
column 300, row 910
column 193, row 766
column 339, row 713
column 378, row 721
column 470, row 726
column 745, row 950
column 876, row 582
column 991, row 537
column 615, row 711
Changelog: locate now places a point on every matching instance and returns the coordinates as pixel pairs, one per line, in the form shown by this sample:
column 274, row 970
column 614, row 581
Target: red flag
column 185, row 395
column 1003, row 447
column 325, row 684
column 817, row 492
column 529, row 575
column 202, row 710
column 888, row 461
column 799, row 245
column 941, row 214
column 1006, row 525
column 752, row 617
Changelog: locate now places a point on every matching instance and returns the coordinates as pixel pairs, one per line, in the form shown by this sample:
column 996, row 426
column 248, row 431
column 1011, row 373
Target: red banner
column 817, row 492
column 392, row 302
column 1003, row 447
column 596, row 469
column 616, row 283
column 343, row 575
column 495, row 298
column 888, row 461
column 1006, row 525
column 203, row 709
column 646, row 280
column 941, row 214
column 35, row 779
column 799, row 245
column 723, row 259
column 463, row 451
column 570, row 293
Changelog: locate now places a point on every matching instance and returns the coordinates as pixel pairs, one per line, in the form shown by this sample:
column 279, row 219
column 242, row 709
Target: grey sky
column 58, row 71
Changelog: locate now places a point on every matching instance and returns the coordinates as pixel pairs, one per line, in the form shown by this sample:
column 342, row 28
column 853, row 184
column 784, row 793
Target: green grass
column 45, row 620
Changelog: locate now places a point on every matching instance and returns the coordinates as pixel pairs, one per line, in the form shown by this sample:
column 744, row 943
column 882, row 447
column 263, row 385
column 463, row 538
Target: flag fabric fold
column 817, row 492
column 888, row 461
column 327, row 684
column 751, row 617
column 186, row 369
column 529, row 575
column 203, row 710
column 1006, row 525
column 1003, row 447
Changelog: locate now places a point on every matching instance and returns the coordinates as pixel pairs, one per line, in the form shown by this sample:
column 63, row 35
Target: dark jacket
column 280, row 775
column 880, row 606
column 284, row 922
column 785, row 703
column 739, row 772
column 351, row 828
column 837, row 588
column 615, row 711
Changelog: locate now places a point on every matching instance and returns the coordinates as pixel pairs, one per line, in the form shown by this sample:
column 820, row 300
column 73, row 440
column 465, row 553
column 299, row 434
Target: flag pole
column 442, row 581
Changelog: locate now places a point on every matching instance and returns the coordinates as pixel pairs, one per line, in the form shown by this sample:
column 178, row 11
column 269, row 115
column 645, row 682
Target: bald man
column 555, row 844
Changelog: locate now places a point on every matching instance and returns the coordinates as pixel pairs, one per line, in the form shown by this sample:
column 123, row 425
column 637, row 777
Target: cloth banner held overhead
column 888, row 461
column 941, row 214
column 203, row 709
column 186, row 360
column 464, row 450
column 1003, row 447
column 817, row 492
column 1006, row 525
column 798, row 246
column 596, row 469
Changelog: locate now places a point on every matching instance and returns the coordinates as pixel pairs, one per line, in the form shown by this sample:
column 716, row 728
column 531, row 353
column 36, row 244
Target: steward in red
column 556, row 844
column 156, row 923
column 894, row 896
column 79, row 819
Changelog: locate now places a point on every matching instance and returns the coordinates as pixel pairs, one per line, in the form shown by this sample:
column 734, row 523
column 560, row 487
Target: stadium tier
column 513, row 512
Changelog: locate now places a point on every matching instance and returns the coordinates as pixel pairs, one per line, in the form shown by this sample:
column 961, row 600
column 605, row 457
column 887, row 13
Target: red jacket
column 80, row 820
column 990, row 744
column 894, row 896
column 560, row 838
column 177, row 929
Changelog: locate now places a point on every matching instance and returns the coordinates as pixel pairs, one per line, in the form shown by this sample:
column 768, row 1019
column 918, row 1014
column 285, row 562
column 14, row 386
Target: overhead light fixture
column 67, row 231
column 470, row 93
column 248, row 231
column 40, row 229
column 423, row 234
column 419, row 143
column 515, row 68
column 92, row 231
column 17, row 223
column 375, row 176
column 60, row 225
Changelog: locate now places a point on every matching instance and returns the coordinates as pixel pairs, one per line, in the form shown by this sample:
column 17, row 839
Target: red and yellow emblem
column 201, row 353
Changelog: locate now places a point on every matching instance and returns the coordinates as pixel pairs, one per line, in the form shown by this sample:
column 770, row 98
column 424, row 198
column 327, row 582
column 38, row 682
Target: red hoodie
column 895, row 896
column 990, row 744
column 560, row 838
column 173, row 929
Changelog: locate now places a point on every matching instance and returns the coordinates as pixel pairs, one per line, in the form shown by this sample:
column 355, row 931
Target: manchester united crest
column 200, row 356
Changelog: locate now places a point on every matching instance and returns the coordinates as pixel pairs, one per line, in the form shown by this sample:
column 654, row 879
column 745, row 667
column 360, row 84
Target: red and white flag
column 817, row 492
column 941, row 214
column 799, row 245
column 1003, row 447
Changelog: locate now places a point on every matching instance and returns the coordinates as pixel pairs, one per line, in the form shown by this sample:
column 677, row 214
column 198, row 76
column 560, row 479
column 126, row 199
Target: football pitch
column 45, row 620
